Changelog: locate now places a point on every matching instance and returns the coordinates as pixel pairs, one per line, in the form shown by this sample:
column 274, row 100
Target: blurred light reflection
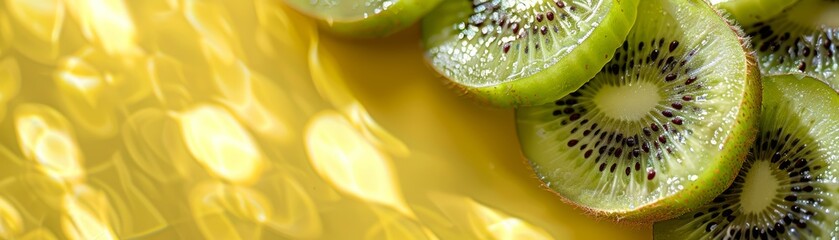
column 39, row 25
column 485, row 222
column 229, row 212
column 218, row 119
column 92, row 86
column 46, row 138
column 11, row 223
column 152, row 142
column 246, row 92
column 43, row 194
column 87, row 213
column 397, row 226
column 332, row 88
column 106, row 22
column 296, row 214
column 168, row 82
column 214, row 24
column 9, row 81
column 133, row 214
column 39, row 234
column 341, row 155
column 277, row 22
column 219, row 143
column 6, row 33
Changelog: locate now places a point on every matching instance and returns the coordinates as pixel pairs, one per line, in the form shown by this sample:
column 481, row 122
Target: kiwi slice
column 752, row 11
column 803, row 38
column 661, row 129
column 788, row 187
column 364, row 18
column 511, row 53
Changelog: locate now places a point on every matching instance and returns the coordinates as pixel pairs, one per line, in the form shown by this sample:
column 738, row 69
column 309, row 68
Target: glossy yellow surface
column 202, row 119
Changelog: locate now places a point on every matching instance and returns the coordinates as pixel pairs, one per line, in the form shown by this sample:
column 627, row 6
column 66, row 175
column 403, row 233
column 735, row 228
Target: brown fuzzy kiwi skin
column 707, row 187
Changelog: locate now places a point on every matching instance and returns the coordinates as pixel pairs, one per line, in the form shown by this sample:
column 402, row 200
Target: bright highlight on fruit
column 512, row 53
column 748, row 12
column 365, row 18
column 787, row 188
column 661, row 129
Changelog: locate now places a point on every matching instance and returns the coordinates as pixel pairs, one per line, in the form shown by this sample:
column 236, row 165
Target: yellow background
column 201, row 119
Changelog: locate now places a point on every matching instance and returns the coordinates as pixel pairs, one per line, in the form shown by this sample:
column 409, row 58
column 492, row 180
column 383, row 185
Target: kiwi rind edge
column 398, row 17
column 752, row 11
column 707, row 187
column 781, row 83
column 560, row 79
column 705, row 191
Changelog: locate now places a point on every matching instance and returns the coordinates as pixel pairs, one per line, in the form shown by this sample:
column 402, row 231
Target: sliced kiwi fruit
column 661, row 129
column 788, row 187
column 802, row 38
column 512, row 53
column 752, row 11
column 365, row 18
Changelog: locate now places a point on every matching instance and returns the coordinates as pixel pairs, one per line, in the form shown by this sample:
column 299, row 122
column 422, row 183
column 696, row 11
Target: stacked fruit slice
column 661, row 129
column 364, row 18
column 788, row 185
column 643, row 111
column 524, row 52
column 802, row 38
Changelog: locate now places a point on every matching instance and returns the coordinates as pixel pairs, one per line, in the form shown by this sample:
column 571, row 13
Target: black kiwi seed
column 637, row 145
column 670, row 77
column 785, row 46
column 792, row 166
column 711, row 226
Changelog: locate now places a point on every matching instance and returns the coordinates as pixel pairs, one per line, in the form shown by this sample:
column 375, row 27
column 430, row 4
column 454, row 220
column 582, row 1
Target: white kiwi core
column 759, row 182
column 628, row 102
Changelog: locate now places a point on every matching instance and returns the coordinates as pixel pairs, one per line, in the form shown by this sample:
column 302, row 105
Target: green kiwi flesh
column 514, row 53
column 365, row 18
column 788, row 187
column 661, row 129
column 752, row 11
column 803, row 38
